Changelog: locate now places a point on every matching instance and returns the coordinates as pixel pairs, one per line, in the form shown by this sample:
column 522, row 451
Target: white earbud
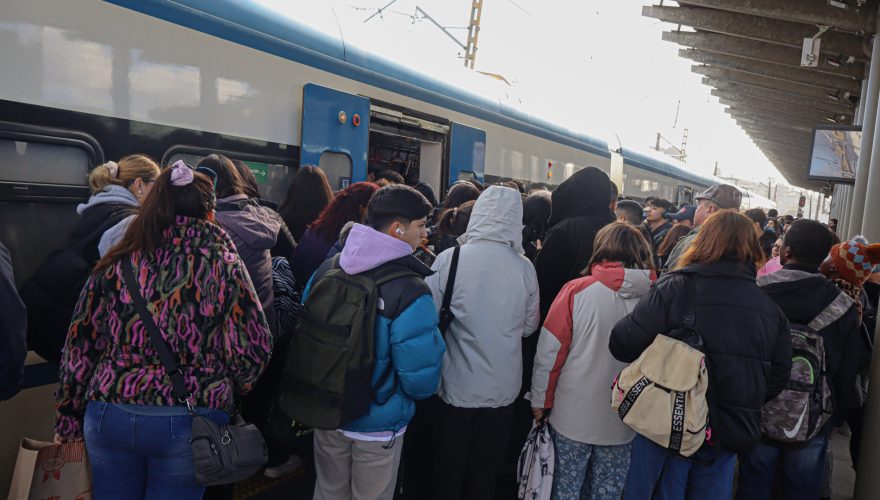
column 399, row 232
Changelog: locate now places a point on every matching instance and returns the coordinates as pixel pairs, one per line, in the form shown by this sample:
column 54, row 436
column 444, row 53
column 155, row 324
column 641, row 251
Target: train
column 86, row 81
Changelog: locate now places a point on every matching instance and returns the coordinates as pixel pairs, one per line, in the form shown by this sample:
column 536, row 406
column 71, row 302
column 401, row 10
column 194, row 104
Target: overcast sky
column 593, row 66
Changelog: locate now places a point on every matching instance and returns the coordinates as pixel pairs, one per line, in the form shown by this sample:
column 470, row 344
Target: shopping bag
column 534, row 470
column 46, row 471
column 24, row 468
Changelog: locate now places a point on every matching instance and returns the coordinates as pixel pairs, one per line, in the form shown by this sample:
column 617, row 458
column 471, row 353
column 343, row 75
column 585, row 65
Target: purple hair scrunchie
column 181, row 174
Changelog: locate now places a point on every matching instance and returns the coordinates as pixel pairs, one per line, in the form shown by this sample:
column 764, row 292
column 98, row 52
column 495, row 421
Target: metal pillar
column 843, row 192
column 867, row 479
column 844, row 205
column 871, row 211
column 869, row 103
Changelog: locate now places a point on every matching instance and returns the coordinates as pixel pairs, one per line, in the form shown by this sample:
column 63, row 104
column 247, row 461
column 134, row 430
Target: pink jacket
column 770, row 267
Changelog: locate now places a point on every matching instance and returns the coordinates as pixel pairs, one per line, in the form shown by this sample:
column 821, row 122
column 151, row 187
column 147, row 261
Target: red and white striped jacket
column 573, row 367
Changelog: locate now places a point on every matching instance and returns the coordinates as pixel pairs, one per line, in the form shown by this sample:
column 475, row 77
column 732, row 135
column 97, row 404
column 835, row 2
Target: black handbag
column 222, row 454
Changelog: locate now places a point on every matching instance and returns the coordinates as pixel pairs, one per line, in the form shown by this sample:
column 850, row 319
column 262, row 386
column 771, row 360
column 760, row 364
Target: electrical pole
column 470, row 55
column 684, row 142
column 470, row 50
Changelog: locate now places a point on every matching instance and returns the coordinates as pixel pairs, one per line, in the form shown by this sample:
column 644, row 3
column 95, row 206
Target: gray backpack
column 798, row 413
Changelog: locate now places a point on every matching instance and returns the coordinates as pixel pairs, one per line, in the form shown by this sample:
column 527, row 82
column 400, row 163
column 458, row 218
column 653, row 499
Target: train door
column 467, row 153
column 335, row 134
column 351, row 137
column 685, row 195
column 410, row 143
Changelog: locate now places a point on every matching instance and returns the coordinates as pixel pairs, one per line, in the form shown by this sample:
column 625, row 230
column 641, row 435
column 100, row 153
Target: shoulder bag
column 222, row 454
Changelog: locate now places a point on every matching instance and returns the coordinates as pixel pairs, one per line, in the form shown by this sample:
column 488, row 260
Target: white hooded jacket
column 495, row 303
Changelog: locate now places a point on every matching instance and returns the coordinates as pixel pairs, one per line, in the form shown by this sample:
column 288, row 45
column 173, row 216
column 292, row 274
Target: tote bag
column 46, row 470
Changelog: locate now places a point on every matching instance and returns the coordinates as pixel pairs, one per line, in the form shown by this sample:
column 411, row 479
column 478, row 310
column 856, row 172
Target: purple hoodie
column 365, row 249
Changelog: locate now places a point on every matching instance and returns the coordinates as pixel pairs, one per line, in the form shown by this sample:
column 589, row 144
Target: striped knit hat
column 854, row 261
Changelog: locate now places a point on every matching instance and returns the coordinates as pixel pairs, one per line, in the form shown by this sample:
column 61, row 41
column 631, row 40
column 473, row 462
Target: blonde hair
column 124, row 172
column 726, row 234
column 624, row 243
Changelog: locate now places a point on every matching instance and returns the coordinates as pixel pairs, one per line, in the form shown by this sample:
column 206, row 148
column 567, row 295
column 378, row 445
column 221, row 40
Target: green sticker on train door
column 260, row 171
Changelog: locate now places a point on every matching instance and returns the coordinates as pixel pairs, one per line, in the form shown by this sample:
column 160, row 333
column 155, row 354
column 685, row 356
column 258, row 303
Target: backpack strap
column 832, row 312
column 178, row 385
column 446, row 315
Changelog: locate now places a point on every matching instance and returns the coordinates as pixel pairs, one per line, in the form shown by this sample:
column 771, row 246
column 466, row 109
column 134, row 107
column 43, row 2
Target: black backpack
column 329, row 369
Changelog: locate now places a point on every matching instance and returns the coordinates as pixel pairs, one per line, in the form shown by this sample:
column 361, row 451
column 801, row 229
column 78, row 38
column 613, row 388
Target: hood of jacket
column 252, row 224
column 586, row 193
column 365, row 249
column 497, row 216
column 628, row 283
column 803, row 295
column 112, row 194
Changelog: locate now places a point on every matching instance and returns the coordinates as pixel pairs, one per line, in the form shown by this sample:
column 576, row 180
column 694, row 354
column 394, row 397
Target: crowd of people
column 421, row 341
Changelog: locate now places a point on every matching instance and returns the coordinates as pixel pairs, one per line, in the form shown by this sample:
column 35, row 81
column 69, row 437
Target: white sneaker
column 293, row 463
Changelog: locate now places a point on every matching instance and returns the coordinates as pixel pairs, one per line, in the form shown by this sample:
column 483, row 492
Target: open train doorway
column 409, row 143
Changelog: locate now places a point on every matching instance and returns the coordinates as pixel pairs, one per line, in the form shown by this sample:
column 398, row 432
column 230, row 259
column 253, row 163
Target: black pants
column 469, row 446
column 258, row 405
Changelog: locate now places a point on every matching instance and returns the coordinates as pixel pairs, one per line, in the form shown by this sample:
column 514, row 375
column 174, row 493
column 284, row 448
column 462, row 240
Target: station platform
column 300, row 484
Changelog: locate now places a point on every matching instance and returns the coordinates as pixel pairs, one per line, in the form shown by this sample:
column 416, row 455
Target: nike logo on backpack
column 792, row 433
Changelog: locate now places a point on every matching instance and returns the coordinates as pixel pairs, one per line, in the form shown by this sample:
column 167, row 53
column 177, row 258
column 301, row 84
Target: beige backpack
column 662, row 395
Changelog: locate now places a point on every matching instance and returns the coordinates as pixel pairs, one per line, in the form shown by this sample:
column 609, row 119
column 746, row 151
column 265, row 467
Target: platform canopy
column 750, row 52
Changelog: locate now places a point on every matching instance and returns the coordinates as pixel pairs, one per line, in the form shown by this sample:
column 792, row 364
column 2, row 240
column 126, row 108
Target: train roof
column 263, row 29
column 662, row 164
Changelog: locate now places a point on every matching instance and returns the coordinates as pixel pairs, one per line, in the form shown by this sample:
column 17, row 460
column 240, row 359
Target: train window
column 42, row 163
column 337, row 167
column 273, row 179
column 190, row 159
column 685, row 195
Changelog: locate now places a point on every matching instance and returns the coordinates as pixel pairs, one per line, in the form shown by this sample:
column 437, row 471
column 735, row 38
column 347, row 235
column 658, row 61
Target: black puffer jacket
column 51, row 293
column 745, row 334
column 802, row 294
column 581, row 206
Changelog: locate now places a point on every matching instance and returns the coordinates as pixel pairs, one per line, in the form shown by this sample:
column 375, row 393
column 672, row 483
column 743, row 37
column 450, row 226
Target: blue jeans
column 655, row 473
column 588, row 471
column 139, row 456
column 801, row 468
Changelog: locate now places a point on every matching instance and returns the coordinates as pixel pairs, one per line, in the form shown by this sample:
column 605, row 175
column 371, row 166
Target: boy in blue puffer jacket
column 361, row 459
